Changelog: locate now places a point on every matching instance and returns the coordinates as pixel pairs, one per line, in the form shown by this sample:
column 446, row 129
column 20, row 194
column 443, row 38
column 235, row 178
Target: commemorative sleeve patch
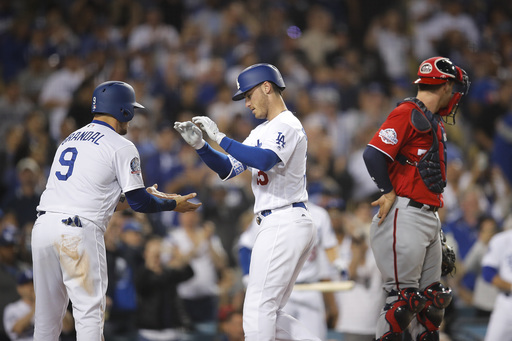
column 135, row 165
column 388, row 136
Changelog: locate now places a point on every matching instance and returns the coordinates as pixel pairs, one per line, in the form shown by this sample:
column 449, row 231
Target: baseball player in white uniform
column 306, row 306
column 497, row 269
column 92, row 167
column 359, row 308
column 275, row 151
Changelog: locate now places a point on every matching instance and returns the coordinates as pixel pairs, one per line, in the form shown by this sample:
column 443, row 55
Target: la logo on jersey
column 135, row 165
column 280, row 140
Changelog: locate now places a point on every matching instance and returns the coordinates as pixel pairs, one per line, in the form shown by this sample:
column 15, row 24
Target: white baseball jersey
column 309, row 306
column 359, row 308
column 317, row 265
column 248, row 237
column 205, row 280
column 13, row 313
column 285, row 183
column 499, row 256
column 90, row 169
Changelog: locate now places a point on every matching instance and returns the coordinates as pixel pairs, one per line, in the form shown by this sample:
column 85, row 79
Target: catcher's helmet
column 438, row 70
column 116, row 99
column 257, row 74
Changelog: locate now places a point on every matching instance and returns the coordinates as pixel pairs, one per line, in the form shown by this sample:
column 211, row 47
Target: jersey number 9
column 67, row 163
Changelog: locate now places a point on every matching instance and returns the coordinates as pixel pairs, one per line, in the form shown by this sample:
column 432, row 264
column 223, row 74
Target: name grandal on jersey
column 92, row 136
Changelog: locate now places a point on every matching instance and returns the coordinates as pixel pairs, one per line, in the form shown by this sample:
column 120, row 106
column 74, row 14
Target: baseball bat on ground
column 325, row 286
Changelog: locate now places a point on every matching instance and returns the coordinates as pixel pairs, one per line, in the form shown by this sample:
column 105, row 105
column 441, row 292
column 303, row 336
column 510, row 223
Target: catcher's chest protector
column 430, row 164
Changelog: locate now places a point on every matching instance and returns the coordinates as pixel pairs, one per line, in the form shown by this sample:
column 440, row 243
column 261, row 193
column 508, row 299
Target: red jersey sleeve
column 397, row 136
column 394, row 132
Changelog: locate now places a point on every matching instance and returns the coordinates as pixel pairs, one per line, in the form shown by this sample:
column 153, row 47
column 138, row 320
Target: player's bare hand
column 153, row 190
column 184, row 205
column 385, row 202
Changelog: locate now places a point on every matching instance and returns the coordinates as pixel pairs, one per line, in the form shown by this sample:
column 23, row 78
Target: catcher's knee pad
column 431, row 316
column 400, row 313
column 438, row 294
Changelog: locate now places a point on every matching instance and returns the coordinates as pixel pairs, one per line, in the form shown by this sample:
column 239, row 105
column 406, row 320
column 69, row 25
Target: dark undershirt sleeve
column 377, row 165
column 142, row 201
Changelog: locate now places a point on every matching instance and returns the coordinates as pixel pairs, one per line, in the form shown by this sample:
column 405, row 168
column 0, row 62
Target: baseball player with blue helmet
column 275, row 152
column 91, row 170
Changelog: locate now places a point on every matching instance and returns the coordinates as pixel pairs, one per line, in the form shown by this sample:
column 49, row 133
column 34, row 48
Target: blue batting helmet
column 116, row 99
column 257, row 74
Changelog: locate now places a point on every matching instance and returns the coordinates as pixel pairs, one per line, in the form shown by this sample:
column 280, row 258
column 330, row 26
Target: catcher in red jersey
column 407, row 160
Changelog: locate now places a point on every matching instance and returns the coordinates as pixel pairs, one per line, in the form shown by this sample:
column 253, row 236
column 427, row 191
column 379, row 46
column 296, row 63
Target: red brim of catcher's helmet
column 429, row 80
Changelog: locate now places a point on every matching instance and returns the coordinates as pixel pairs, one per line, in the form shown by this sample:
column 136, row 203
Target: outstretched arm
column 151, row 200
column 255, row 157
column 217, row 161
column 222, row 164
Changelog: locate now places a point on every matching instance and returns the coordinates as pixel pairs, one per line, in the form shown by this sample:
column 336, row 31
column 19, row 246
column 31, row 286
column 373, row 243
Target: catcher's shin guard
column 400, row 312
column 431, row 317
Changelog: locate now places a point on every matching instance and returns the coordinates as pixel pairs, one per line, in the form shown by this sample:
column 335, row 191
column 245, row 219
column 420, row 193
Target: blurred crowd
column 345, row 64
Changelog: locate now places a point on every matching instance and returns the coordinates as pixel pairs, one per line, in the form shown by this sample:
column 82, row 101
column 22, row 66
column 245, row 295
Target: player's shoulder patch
column 388, row 136
column 135, row 165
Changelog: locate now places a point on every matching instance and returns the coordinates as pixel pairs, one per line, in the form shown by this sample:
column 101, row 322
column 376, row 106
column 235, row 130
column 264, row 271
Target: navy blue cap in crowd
column 25, row 277
column 132, row 226
column 9, row 236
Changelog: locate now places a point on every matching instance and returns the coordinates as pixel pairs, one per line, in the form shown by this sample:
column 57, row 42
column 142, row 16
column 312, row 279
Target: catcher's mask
column 115, row 98
column 439, row 70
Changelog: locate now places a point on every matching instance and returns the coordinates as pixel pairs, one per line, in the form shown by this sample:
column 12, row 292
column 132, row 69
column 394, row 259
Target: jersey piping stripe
column 395, row 266
column 383, row 152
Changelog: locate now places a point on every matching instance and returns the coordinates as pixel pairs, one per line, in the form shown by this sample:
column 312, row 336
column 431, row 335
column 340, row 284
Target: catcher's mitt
column 448, row 262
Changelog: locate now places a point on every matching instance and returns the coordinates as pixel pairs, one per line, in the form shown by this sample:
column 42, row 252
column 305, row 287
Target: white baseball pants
column 69, row 263
column 284, row 241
